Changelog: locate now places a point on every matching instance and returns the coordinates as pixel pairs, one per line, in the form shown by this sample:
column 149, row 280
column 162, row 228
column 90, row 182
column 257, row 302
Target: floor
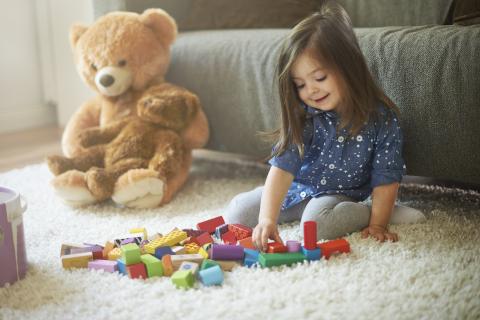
column 22, row 148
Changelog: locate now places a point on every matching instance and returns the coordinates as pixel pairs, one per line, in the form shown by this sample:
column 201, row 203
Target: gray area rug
column 431, row 273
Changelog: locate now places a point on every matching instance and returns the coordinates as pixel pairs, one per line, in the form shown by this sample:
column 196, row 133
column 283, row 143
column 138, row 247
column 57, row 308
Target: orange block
column 276, row 247
column 247, row 243
column 167, row 265
column 334, row 246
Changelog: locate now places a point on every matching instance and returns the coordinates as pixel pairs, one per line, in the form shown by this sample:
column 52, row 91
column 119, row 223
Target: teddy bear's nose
column 107, row 80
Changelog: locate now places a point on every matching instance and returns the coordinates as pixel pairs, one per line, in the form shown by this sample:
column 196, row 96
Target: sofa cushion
column 466, row 12
column 431, row 72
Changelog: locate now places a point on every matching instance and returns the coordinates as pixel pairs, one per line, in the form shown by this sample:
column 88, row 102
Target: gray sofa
column 431, row 71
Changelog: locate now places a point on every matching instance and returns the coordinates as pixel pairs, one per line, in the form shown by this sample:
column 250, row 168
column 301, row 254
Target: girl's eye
column 93, row 66
column 122, row 63
column 300, row 86
column 321, row 79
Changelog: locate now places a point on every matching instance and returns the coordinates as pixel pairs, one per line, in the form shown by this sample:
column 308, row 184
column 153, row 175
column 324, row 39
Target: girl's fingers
column 365, row 233
column 277, row 238
column 264, row 240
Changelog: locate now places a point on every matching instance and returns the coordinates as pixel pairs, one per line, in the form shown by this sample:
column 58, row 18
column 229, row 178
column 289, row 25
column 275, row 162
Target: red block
column 137, row 271
column 310, row 235
column 210, row 225
column 202, row 239
column 276, row 247
column 229, row 238
column 334, row 246
column 241, row 231
column 247, row 243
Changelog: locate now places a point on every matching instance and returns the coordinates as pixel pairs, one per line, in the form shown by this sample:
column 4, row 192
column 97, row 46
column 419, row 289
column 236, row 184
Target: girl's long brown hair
column 328, row 37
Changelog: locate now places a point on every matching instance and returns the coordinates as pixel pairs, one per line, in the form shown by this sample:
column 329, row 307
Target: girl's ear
column 162, row 24
column 76, row 31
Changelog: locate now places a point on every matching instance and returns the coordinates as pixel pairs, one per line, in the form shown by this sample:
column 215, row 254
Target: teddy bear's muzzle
column 113, row 81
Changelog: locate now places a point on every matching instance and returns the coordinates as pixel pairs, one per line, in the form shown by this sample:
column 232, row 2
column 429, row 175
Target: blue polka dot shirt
column 335, row 163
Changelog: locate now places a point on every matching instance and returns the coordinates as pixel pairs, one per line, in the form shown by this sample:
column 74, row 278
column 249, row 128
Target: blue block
column 122, row 267
column 161, row 251
column 312, row 255
column 250, row 262
column 211, row 276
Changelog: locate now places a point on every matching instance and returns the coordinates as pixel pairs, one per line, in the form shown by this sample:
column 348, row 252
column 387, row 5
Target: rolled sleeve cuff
column 383, row 177
column 286, row 164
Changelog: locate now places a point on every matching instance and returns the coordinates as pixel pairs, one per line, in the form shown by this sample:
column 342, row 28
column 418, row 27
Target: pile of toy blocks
column 190, row 254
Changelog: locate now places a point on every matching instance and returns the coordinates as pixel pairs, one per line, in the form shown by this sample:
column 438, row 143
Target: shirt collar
column 314, row 111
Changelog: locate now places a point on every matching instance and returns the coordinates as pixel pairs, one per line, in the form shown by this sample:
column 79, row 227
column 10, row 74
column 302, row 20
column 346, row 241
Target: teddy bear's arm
column 197, row 133
column 101, row 135
column 87, row 116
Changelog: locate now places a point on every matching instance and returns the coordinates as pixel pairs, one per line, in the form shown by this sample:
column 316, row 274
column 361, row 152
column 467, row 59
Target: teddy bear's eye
column 122, row 63
column 93, row 66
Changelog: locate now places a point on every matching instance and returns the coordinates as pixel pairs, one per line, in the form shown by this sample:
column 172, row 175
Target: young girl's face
column 316, row 86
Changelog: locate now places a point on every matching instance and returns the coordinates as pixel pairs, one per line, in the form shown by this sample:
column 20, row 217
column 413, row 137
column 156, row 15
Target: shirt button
column 341, row 139
column 303, row 194
column 359, row 138
column 331, row 166
column 323, row 181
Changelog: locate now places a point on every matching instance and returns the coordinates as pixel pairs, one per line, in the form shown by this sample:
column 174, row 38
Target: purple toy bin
column 13, row 258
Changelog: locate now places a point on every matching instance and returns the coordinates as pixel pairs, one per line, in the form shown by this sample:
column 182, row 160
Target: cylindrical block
column 310, row 235
column 293, row 246
column 211, row 276
column 226, row 252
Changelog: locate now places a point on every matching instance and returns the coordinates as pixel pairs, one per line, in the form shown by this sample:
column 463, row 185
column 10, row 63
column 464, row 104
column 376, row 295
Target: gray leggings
column 336, row 215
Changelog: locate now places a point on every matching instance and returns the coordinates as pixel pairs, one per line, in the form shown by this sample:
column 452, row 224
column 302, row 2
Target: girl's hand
column 380, row 233
column 265, row 229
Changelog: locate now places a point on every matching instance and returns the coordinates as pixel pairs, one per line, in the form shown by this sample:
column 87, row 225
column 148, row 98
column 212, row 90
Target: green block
column 131, row 254
column 183, row 279
column 279, row 259
column 154, row 265
column 207, row 263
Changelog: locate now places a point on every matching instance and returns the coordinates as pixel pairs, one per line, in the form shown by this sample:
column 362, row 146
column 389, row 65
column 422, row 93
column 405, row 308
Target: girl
column 339, row 141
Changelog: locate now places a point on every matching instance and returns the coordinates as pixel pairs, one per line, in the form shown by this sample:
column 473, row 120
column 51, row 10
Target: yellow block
column 191, row 248
column 203, row 253
column 76, row 260
column 109, row 246
column 139, row 230
column 115, row 254
column 167, row 240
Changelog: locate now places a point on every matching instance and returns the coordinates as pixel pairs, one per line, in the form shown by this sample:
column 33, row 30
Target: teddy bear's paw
column 59, row 164
column 72, row 188
column 139, row 188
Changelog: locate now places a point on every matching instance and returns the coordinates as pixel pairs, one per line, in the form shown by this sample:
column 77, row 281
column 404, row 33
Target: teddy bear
column 133, row 141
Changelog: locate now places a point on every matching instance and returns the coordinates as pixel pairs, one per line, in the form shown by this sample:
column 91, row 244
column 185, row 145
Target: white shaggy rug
column 433, row 272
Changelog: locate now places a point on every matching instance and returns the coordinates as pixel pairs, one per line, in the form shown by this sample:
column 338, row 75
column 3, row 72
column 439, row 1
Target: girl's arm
column 383, row 200
column 276, row 186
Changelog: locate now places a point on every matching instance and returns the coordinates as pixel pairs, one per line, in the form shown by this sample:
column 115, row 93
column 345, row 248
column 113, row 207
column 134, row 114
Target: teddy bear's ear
column 76, row 32
column 162, row 24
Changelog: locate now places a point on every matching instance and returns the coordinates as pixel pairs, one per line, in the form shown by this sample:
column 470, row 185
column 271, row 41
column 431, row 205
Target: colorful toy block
column 276, row 247
column 179, row 258
column 312, row 255
column 153, row 265
column 193, row 232
column 115, row 254
column 183, row 279
column 139, row 230
column 130, row 253
column 172, row 238
column 207, row 263
column 221, row 229
column 202, row 239
column 105, row 265
column 211, row 224
column 310, row 235
column 229, row 237
column 137, row 238
column 122, row 267
column 76, row 260
column 251, row 257
column 334, row 246
column 226, row 252
column 161, row 251
column 136, row 271
column 203, row 252
column 240, row 231
column 228, row 265
column 189, row 266
column 178, row 250
column 247, row 243
column 211, row 276
column 293, row 246
column 191, row 248
column 96, row 250
column 167, row 265
column 109, row 246
column 67, row 247
column 278, row 259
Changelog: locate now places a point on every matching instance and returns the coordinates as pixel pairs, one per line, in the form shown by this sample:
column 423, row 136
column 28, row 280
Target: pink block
column 293, row 246
column 105, row 265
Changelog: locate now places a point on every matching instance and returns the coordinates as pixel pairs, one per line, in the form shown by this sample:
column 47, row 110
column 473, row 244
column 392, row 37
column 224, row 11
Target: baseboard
column 22, row 118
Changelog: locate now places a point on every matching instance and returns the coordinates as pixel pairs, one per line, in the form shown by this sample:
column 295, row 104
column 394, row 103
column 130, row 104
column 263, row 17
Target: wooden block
column 211, row 276
column 136, row 238
column 179, row 258
column 210, row 225
column 178, row 250
column 202, row 239
column 76, row 260
column 183, row 279
column 191, row 248
column 136, row 271
column 276, row 247
column 247, row 243
column 312, row 255
column 229, row 237
column 203, row 252
column 139, row 230
column 334, row 246
column 161, row 251
column 226, row 252
column 115, row 254
column 189, row 266
column 310, row 235
column 240, row 231
column 105, row 265
column 278, row 259
column 172, row 238
column 167, row 265
column 207, row 263
column 228, row 265
column 66, row 248
column 130, row 253
column 109, row 246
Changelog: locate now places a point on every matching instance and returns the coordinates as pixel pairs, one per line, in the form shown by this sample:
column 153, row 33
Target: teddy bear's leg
column 92, row 157
column 72, row 187
column 139, row 188
column 178, row 179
